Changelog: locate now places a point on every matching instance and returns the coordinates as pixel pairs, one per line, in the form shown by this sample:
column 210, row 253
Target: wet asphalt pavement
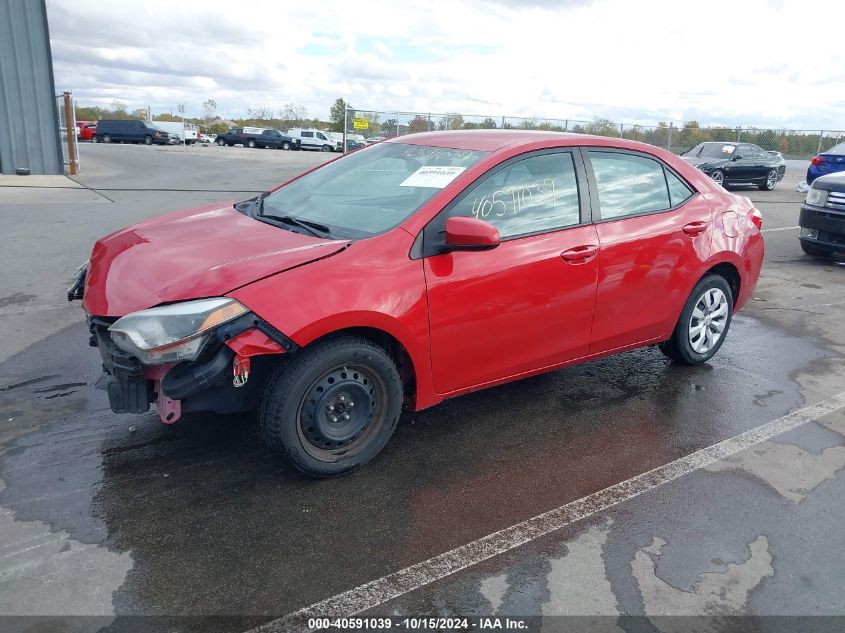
column 113, row 515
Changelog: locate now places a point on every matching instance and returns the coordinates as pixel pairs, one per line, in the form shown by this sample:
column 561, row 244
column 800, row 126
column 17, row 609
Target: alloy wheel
column 771, row 179
column 708, row 320
column 718, row 177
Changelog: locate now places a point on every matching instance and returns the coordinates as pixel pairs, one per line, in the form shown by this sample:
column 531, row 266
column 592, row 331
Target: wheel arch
column 394, row 347
column 730, row 273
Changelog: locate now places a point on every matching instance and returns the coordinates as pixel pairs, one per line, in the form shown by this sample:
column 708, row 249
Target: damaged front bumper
column 225, row 378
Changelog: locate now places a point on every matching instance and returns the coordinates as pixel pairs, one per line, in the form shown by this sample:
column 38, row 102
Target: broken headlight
column 175, row 332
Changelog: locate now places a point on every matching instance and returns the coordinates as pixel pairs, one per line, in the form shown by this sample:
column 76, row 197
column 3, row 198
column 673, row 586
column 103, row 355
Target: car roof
column 494, row 140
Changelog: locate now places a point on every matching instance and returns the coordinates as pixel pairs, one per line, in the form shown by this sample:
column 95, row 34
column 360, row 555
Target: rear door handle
column 695, row 228
column 580, row 254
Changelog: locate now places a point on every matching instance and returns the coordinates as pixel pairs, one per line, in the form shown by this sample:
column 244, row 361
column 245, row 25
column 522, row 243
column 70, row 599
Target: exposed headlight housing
column 816, row 197
column 175, row 332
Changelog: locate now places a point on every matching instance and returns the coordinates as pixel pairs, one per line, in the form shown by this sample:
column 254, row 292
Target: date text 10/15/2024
column 419, row 624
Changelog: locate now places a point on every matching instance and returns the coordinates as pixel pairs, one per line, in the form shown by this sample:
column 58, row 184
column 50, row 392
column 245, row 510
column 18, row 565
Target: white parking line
column 399, row 583
column 784, row 228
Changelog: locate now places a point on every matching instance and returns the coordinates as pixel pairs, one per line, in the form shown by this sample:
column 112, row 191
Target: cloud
column 643, row 62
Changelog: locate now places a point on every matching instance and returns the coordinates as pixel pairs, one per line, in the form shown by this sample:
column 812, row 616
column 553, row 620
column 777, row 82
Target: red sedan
column 411, row 271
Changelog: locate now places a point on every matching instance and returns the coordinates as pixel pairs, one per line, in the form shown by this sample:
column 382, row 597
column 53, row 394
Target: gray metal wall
column 29, row 133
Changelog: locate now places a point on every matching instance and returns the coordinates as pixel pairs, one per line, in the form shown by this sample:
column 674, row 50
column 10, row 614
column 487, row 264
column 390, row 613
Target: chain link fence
column 794, row 144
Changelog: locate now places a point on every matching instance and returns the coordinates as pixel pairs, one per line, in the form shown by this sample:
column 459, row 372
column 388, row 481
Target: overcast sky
column 777, row 63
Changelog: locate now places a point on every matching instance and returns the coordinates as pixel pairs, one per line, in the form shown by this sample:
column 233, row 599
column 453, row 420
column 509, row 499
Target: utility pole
column 345, row 122
column 70, row 126
column 182, row 116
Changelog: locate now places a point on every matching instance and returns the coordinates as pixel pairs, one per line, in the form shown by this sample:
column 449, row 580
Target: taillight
column 818, row 159
column 756, row 217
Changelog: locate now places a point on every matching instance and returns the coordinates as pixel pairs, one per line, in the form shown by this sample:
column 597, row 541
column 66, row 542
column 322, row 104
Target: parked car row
column 257, row 137
column 137, row 131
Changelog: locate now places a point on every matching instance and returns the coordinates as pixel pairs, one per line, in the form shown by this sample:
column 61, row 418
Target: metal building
column 29, row 128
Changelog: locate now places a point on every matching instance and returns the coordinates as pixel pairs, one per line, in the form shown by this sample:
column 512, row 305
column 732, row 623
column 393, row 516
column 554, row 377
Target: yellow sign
column 360, row 123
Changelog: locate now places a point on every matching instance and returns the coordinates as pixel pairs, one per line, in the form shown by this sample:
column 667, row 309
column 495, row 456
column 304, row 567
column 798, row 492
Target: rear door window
column 631, row 184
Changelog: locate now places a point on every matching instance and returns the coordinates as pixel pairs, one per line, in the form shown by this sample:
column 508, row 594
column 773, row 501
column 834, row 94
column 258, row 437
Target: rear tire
column 251, row 144
column 703, row 324
column 814, row 251
column 771, row 180
column 333, row 406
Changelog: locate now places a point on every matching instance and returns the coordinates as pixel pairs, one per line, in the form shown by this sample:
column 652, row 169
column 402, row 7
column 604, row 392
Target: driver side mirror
column 470, row 234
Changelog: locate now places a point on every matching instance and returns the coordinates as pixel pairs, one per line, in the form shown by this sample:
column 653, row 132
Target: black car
column 129, row 131
column 257, row 137
column 738, row 164
column 822, row 218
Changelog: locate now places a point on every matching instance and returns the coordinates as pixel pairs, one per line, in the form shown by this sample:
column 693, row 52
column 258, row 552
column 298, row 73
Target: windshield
column 372, row 190
column 836, row 149
column 711, row 150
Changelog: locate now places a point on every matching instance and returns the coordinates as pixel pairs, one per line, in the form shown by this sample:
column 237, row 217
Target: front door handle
column 695, row 228
column 580, row 254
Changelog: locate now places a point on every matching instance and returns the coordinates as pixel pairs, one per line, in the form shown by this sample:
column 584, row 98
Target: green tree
column 488, row 124
column 602, row 127
column 337, row 114
column 418, row 124
column 388, row 128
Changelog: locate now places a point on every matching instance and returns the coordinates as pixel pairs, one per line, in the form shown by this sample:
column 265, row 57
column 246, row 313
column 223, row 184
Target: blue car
column 828, row 162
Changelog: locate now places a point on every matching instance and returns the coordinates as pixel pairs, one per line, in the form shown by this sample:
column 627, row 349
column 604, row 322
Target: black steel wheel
column 333, row 406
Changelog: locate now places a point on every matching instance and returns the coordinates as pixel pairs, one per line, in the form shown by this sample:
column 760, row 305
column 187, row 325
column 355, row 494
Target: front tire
column 327, row 148
column 703, row 324
column 718, row 177
column 106, row 138
column 771, row 180
column 148, row 140
column 333, row 407
column 286, row 146
column 221, row 142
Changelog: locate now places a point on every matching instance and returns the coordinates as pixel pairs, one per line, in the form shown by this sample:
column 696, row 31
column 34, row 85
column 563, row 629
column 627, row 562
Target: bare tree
column 293, row 114
column 209, row 109
column 260, row 113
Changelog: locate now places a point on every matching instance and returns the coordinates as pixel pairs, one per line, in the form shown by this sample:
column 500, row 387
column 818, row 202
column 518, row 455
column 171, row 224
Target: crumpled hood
column 191, row 254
